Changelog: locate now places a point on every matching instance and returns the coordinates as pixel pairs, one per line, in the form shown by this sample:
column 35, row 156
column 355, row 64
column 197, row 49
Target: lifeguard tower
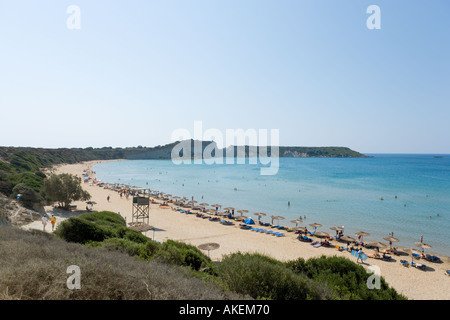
column 141, row 209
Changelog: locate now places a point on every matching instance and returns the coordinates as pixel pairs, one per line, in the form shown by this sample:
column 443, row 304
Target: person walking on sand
column 44, row 221
column 53, row 222
column 107, row 198
column 359, row 256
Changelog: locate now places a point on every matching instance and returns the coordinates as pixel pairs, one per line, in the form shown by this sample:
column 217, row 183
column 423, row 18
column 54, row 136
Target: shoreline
column 428, row 284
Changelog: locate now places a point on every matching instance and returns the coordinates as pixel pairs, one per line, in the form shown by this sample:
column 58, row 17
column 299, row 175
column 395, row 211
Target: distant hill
column 25, row 164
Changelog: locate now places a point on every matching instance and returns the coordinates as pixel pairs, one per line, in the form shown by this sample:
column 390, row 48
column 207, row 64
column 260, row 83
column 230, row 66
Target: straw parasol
column 321, row 234
column 337, row 228
column 259, row 215
column 297, row 221
column 300, row 228
column 228, row 208
column 362, row 233
column 347, row 239
column 277, row 218
column 216, row 205
column 391, row 239
column 209, row 246
column 203, row 204
column 315, row 225
column 377, row 244
column 423, row 246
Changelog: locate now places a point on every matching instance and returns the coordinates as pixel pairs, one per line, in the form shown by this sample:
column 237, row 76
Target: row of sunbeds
column 261, row 230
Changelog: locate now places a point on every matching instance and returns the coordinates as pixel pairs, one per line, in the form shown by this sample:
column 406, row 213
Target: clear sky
column 138, row 70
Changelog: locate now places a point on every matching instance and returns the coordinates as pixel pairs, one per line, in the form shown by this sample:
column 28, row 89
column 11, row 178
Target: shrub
column 262, row 277
column 182, row 254
column 80, row 231
column 347, row 278
column 28, row 196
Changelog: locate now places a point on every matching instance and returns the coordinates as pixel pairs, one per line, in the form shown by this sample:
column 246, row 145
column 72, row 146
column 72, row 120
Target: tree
column 64, row 188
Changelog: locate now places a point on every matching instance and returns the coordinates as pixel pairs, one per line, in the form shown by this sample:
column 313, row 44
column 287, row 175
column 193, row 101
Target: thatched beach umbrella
column 362, row 233
column 297, row 221
column 423, row 246
column 209, row 246
column 321, row 234
column 278, row 218
column 216, row 205
column 377, row 244
column 259, row 215
column 391, row 239
column 241, row 212
column 300, row 228
column 315, row 225
column 337, row 228
column 203, row 204
column 347, row 239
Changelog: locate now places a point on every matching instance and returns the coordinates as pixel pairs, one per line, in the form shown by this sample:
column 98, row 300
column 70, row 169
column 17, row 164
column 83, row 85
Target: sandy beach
column 430, row 284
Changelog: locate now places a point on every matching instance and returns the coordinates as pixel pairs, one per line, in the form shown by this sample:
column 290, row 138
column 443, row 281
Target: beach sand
column 431, row 284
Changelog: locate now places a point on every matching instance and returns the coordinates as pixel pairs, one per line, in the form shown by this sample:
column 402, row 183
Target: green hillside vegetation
column 252, row 275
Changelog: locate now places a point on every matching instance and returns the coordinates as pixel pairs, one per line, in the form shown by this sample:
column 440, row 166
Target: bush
column 262, row 277
column 182, row 254
column 96, row 226
column 347, row 278
column 80, row 231
column 27, row 196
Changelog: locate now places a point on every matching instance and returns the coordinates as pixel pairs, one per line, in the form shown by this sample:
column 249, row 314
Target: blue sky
column 138, row 70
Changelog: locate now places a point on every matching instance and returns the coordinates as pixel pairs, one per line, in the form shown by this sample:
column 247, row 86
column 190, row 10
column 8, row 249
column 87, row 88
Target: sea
column 407, row 195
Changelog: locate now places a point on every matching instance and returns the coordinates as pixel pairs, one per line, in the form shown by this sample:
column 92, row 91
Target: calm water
column 330, row 191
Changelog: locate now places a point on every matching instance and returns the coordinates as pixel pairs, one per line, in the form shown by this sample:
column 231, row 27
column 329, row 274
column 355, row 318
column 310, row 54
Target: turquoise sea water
column 331, row 191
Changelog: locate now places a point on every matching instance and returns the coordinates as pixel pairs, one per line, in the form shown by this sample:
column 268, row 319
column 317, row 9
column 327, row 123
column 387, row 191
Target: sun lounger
column 404, row 263
column 416, row 256
column 304, row 238
column 317, row 245
column 432, row 258
column 386, row 257
column 278, row 234
column 420, row 266
column 269, row 232
column 245, row 226
column 447, row 272
column 227, row 223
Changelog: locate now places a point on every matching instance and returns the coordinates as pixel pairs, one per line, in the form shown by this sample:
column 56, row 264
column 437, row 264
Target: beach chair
column 404, row 263
column 416, row 256
column 432, row 258
column 421, row 266
column 318, row 244
column 269, row 232
column 278, row 234
column 447, row 272
column 386, row 257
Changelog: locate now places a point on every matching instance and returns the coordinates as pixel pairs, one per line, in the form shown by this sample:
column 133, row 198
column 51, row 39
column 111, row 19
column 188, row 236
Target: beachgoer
column 359, row 255
column 44, row 222
column 53, row 222
column 107, row 198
